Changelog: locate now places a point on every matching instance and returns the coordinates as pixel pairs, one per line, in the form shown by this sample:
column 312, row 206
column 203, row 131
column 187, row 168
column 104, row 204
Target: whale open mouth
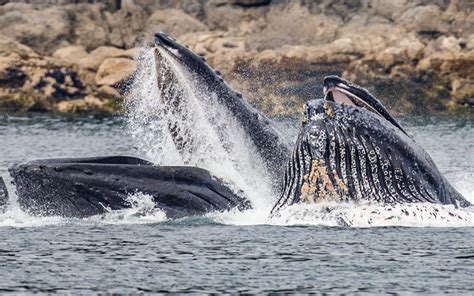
column 343, row 92
column 342, row 96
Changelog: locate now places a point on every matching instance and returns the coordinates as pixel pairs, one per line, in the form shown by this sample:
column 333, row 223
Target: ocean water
column 326, row 248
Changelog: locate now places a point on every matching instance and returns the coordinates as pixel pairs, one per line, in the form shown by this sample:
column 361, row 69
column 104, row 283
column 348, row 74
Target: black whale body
column 3, row 194
column 345, row 154
column 84, row 187
column 350, row 148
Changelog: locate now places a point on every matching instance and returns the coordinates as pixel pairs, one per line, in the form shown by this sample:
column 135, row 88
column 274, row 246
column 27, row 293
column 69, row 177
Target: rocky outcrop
column 31, row 82
column 416, row 55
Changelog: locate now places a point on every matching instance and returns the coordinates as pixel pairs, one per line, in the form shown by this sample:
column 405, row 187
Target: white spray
column 162, row 115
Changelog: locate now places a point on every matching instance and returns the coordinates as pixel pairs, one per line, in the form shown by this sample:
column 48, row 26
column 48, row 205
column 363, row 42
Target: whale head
column 182, row 59
column 351, row 149
column 192, row 94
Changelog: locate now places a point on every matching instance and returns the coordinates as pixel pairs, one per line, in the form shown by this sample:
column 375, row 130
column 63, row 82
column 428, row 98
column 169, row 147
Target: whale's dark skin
column 272, row 147
column 351, row 149
column 90, row 186
column 3, row 193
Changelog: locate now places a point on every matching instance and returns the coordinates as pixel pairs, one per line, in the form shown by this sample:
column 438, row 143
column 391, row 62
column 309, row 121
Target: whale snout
column 165, row 40
column 333, row 81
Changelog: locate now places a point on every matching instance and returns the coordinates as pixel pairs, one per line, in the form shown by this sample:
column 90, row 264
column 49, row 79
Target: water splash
column 175, row 120
column 14, row 217
column 142, row 211
column 356, row 215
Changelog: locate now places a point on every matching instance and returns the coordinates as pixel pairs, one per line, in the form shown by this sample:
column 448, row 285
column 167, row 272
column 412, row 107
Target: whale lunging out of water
column 349, row 149
column 177, row 68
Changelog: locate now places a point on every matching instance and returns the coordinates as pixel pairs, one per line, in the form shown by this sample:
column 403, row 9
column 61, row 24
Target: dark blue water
column 140, row 251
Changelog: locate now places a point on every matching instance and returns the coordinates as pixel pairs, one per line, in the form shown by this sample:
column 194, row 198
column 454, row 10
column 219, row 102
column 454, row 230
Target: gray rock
column 174, row 22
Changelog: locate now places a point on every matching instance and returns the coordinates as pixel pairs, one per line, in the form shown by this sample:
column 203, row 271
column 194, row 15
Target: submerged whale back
column 91, row 186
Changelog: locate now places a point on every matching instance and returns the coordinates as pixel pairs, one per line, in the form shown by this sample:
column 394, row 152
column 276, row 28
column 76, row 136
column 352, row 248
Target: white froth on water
column 356, row 215
column 142, row 211
column 14, row 217
column 214, row 139
column 376, row 215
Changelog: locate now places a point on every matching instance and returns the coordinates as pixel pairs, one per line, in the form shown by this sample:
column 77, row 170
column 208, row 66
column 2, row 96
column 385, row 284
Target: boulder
column 72, row 106
column 389, row 9
column 9, row 47
column 108, row 92
column 470, row 43
column 95, row 103
column 98, row 55
column 126, row 25
column 463, row 90
column 217, row 42
column 219, row 15
column 174, row 22
column 114, row 70
column 88, row 25
column 43, row 30
column 71, row 54
column 293, row 25
column 408, row 49
column 424, row 19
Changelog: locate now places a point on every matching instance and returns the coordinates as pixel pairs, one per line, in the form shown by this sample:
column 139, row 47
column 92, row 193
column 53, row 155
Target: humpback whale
column 349, row 149
column 175, row 59
column 83, row 187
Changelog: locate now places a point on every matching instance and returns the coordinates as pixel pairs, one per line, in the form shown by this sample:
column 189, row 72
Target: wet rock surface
column 417, row 56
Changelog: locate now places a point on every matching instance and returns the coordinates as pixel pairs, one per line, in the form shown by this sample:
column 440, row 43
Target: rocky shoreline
column 418, row 56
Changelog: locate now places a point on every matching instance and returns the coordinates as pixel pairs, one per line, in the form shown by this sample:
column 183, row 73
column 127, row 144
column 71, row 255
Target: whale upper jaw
column 344, row 92
column 167, row 48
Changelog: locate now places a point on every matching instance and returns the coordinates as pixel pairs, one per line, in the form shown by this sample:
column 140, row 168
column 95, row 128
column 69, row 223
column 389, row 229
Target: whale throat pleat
column 346, row 162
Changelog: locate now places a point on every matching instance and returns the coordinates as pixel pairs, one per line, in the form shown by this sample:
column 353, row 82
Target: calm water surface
column 131, row 253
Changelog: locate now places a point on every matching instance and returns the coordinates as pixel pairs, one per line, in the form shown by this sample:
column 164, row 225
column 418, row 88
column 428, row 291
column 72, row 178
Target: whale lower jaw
column 345, row 153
